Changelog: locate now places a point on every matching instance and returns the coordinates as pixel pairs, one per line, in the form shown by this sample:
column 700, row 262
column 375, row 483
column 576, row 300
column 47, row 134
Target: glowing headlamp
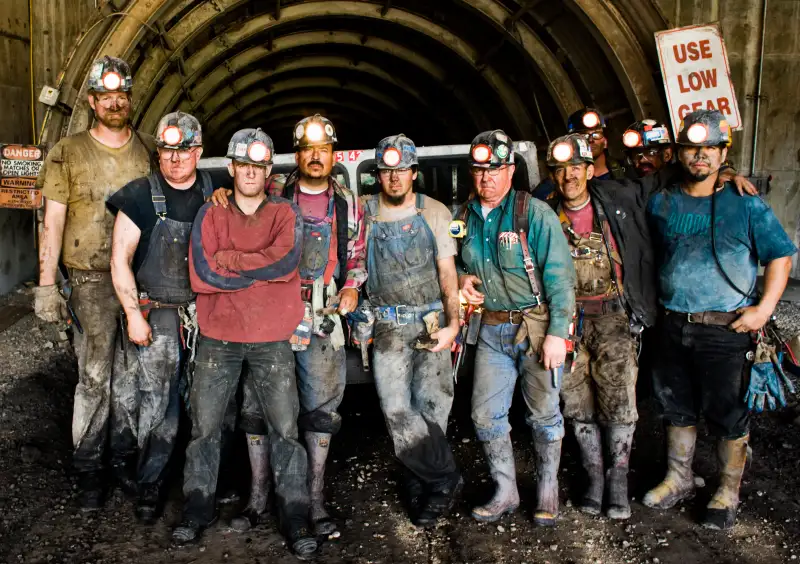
column 697, row 133
column 591, row 120
column 172, row 136
column 631, row 139
column 562, row 152
column 315, row 132
column 391, row 157
column 481, row 153
column 112, row 81
column 258, row 152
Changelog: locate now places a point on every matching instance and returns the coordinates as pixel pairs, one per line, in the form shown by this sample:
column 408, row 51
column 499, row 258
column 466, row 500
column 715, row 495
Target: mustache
column 315, row 162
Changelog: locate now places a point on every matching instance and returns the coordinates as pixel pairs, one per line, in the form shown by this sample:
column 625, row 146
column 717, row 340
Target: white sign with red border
column 694, row 65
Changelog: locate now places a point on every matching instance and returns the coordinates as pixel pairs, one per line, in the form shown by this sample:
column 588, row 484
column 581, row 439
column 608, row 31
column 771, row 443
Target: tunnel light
column 172, row 136
column 112, row 81
column 258, row 152
column 481, row 153
column 631, row 138
column 562, row 152
column 391, row 157
column 315, row 132
column 697, row 133
column 591, row 119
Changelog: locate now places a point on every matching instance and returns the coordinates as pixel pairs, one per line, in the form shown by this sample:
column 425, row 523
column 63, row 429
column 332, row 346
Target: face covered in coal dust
column 315, row 162
column 396, row 183
column 701, row 162
column 492, row 184
column 249, row 180
column 179, row 165
column 571, row 182
column 112, row 109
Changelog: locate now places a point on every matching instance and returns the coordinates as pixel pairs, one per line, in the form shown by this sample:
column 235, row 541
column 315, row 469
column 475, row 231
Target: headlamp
column 314, row 132
column 112, row 81
column 172, row 136
column 697, row 133
column 481, row 153
column 631, row 139
column 562, row 152
column 258, row 152
column 391, row 157
column 591, row 120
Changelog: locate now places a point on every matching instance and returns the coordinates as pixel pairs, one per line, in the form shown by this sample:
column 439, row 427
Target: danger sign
column 19, row 167
column 694, row 64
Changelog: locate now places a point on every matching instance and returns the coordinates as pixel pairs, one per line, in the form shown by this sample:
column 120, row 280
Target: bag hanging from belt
column 767, row 378
column 535, row 322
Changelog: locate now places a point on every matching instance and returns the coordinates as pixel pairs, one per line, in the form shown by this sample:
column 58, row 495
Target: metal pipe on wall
column 758, row 90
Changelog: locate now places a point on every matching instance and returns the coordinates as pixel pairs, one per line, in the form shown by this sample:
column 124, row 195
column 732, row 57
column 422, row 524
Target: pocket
column 510, row 258
column 469, row 254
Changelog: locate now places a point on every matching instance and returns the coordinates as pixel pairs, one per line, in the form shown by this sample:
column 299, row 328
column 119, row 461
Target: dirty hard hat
column 569, row 150
column 110, row 74
column 313, row 131
column 704, row 128
column 179, row 131
column 396, row 151
column 646, row 133
column 586, row 119
column 491, row 149
column 251, row 146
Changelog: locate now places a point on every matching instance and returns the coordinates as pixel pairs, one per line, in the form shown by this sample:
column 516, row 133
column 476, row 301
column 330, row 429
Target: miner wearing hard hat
column 709, row 243
column 413, row 290
column 514, row 263
column 81, row 171
column 648, row 146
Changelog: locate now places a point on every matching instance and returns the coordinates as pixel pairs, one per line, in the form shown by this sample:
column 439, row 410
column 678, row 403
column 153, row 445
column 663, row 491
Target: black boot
column 92, row 490
column 124, row 471
column 439, row 502
column 303, row 543
column 591, row 446
column 148, row 504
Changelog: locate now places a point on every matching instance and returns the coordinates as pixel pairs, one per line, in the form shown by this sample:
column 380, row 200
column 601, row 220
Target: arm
column 448, row 281
column 123, row 246
column 55, row 217
column 206, row 275
column 753, row 318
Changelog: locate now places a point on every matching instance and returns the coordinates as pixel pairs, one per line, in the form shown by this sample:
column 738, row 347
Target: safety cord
column 714, row 250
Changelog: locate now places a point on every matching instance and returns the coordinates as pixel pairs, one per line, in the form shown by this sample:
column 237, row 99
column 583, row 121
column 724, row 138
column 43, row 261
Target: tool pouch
column 474, row 327
column 535, row 322
column 301, row 337
column 362, row 329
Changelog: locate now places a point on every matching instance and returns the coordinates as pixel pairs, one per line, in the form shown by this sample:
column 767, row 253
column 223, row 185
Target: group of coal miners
column 230, row 297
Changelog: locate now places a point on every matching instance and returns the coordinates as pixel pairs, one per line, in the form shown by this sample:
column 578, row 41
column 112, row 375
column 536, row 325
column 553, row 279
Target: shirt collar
column 475, row 204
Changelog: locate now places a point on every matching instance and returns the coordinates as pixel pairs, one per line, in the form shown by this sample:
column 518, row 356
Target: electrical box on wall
column 49, row 95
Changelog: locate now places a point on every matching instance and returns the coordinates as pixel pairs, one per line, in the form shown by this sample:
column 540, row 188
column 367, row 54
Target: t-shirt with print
column 435, row 213
column 746, row 233
column 82, row 173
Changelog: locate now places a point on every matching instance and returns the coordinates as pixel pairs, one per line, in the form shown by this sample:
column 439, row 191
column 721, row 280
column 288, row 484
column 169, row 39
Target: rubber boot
column 619, row 439
column 678, row 484
column 258, row 449
column 548, row 457
column 439, row 502
column 317, row 445
column 721, row 511
column 91, row 490
column 500, row 456
column 591, row 445
column 148, row 504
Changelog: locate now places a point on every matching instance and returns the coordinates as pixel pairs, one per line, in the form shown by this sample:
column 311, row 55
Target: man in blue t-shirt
column 707, row 281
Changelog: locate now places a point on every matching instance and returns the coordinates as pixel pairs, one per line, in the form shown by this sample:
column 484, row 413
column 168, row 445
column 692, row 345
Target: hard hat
column 491, row 149
column 586, row 119
column 704, row 128
column 313, row 131
column 396, row 151
column 569, row 150
column 646, row 133
column 110, row 74
column 251, row 146
column 179, row 131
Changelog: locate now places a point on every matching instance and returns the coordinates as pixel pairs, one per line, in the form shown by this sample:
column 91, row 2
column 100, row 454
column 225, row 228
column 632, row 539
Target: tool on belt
column 470, row 327
column 767, row 378
column 362, row 329
column 301, row 337
column 65, row 289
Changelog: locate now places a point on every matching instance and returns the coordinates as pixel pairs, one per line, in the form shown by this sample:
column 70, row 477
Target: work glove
column 49, row 304
column 767, row 381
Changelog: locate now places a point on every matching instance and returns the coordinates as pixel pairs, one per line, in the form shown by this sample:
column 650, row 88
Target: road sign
column 19, row 167
column 694, row 66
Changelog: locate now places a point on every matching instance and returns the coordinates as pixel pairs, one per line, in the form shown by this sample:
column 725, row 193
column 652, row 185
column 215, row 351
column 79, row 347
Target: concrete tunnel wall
column 438, row 71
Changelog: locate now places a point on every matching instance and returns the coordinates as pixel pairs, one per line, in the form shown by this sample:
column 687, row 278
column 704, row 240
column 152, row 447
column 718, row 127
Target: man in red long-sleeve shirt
column 243, row 264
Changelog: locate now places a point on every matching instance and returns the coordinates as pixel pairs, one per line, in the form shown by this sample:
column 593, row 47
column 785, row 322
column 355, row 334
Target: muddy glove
column 424, row 341
column 50, row 305
column 767, row 380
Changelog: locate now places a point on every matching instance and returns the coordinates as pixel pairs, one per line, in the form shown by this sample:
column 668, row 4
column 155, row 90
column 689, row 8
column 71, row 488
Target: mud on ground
column 39, row 521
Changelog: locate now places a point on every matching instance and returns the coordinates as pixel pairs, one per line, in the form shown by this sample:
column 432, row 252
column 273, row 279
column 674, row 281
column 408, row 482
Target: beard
column 697, row 177
column 394, row 200
column 115, row 120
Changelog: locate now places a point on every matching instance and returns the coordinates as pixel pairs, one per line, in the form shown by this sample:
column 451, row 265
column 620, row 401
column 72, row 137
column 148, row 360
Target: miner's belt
column 404, row 315
column 600, row 307
column 513, row 316
column 723, row 318
column 77, row 277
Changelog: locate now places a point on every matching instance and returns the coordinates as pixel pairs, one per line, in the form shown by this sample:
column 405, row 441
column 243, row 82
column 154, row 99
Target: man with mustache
column 80, row 173
column 709, row 243
column 412, row 275
column 648, row 146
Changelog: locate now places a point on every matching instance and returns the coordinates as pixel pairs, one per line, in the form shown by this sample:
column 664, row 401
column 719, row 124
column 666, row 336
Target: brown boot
column 678, row 484
column 548, row 457
column 619, row 439
column 721, row 511
column 590, row 443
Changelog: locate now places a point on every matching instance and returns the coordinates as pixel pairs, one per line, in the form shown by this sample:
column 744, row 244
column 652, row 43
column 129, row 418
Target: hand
column 742, row 184
column 348, row 300
column 751, row 318
column 139, row 331
column 220, row 197
column 446, row 336
column 467, row 283
column 49, row 304
column 554, row 352
column 222, row 258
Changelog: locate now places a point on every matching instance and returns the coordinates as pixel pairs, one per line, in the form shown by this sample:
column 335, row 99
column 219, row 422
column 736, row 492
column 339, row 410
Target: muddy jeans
column 415, row 388
column 217, row 370
column 601, row 387
column 498, row 363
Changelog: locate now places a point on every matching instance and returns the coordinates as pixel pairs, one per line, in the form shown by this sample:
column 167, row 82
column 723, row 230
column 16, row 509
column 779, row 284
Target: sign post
column 694, row 65
column 19, row 167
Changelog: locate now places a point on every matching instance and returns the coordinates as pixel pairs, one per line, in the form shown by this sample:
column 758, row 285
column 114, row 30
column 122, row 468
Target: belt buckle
column 689, row 318
column 511, row 315
column 398, row 314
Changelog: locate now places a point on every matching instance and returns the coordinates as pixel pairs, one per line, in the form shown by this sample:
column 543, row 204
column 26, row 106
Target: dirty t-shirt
column 83, row 173
column 435, row 214
column 746, row 233
column 313, row 205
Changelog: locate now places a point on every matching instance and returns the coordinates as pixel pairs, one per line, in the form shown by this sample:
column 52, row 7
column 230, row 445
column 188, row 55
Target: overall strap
column 157, row 195
column 372, row 207
column 420, row 202
column 521, row 227
column 205, row 183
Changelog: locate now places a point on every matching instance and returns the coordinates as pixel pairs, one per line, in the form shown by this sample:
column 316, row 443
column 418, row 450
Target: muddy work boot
column 678, row 484
column 731, row 457
column 91, row 490
column 548, row 457
column 500, row 456
column 439, row 502
column 124, row 472
column 317, row 446
column 148, row 503
column 591, row 446
column 412, row 492
column 619, row 439
column 303, row 543
column 258, row 450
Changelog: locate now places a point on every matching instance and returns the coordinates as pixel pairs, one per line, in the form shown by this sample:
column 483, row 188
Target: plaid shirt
column 356, row 264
